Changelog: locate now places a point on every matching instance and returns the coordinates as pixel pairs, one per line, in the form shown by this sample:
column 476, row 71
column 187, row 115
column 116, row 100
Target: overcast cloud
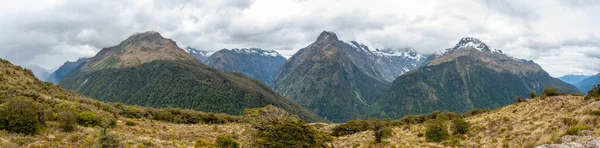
column 561, row 35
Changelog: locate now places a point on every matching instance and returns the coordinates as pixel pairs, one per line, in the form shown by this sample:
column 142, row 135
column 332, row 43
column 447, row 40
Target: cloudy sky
column 561, row 35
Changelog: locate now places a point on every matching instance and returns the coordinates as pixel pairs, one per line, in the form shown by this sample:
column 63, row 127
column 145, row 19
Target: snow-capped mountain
column 340, row 80
column 386, row 64
column 254, row 62
column 202, row 55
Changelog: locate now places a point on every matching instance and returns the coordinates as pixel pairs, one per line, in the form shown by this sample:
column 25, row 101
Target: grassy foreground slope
column 527, row 124
column 39, row 114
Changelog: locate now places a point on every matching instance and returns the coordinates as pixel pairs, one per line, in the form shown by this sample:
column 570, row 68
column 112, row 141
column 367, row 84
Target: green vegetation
column 594, row 92
column 278, row 128
column 68, row 120
column 550, row 92
column 324, row 79
column 436, row 131
column 351, row 127
column 108, row 139
column 88, row 119
column 21, row 115
column 180, row 84
column 459, row 85
column 575, row 129
column 226, row 142
column 532, row 95
column 459, row 126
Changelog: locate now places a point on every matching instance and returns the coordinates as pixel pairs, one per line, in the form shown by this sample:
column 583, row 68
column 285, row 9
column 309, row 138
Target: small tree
column 21, row 115
column 549, row 92
column 381, row 129
column 594, row 92
column 459, row 126
column 67, row 120
column 532, row 95
column 436, row 131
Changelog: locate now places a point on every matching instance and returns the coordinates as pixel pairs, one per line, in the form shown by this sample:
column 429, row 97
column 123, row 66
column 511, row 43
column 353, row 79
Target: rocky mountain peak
column 326, row 36
column 470, row 42
column 137, row 49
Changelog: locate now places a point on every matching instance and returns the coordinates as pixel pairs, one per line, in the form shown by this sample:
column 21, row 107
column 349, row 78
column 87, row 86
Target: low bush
column 575, row 129
column 226, row 142
column 67, row 120
column 88, row 118
column 436, row 131
column 107, row 139
column 278, row 128
column 130, row 123
column 351, row 127
column 550, row 92
column 532, row 95
column 459, row 126
column 21, row 115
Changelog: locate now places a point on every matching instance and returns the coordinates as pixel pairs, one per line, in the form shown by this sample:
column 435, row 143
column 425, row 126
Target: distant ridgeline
column 254, row 62
column 147, row 69
column 470, row 75
column 335, row 79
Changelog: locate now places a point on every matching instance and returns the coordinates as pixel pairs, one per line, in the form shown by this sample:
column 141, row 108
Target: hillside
column 323, row 78
column 40, row 114
column 468, row 76
column 254, row 62
column 587, row 84
column 527, row 124
column 154, row 71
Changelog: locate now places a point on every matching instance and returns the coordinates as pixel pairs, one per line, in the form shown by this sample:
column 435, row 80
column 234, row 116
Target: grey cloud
column 515, row 8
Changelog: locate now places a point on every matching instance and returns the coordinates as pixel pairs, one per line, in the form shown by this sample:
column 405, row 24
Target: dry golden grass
column 527, row 124
column 147, row 133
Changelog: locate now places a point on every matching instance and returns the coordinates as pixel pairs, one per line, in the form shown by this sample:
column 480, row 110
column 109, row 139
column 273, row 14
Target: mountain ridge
column 470, row 75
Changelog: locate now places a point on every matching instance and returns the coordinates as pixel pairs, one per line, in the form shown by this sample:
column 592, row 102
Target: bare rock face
column 575, row 142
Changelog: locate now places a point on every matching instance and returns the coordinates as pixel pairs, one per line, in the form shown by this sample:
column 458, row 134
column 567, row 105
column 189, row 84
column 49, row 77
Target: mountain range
column 337, row 80
column 254, row 62
column 588, row 83
column 573, row 79
column 150, row 70
column 340, row 80
column 467, row 76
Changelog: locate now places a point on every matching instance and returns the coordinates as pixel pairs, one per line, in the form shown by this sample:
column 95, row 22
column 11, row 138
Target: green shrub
column 593, row 93
column 532, row 95
column 278, row 128
column 570, row 121
column 518, row 99
column 381, row 129
column 351, row 127
column 574, row 130
column 21, row 115
column 452, row 141
column 436, row 131
column 459, row 126
column 550, row 92
column 107, row 139
column 67, row 120
column 130, row 123
column 88, row 119
column 202, row 143
column 226, row 142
